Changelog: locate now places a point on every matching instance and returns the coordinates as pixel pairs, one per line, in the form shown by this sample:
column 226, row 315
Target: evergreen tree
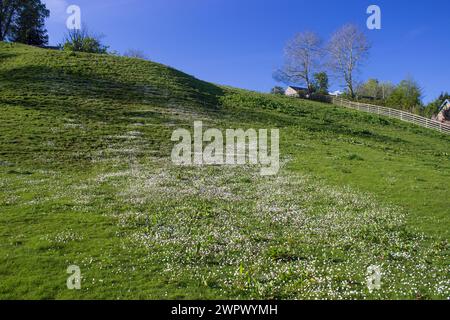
column 29, row 26
column 321, row 82
column 8, row 15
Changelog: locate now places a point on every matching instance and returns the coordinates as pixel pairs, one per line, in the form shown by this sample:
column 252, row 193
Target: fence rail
column 394, row 113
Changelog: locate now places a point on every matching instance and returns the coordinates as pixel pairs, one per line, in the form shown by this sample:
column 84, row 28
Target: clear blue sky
column 240, row 42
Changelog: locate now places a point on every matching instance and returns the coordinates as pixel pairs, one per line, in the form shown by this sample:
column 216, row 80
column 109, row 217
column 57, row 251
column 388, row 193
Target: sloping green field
column 86, row 179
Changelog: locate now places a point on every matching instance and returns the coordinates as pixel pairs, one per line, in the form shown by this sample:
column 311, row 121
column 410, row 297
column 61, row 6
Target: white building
column 297, row 92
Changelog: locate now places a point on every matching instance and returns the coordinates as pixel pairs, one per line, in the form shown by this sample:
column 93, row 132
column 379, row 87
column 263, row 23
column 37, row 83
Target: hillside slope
column 86, row 179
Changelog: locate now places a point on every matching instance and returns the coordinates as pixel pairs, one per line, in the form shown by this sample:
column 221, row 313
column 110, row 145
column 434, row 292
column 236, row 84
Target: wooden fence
column 394, row 113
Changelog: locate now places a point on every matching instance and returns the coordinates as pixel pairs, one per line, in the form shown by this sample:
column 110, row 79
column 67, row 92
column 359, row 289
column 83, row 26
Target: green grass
column 86, row 179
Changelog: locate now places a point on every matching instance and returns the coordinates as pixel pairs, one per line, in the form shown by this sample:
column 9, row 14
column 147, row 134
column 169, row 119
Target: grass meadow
column 86, row 179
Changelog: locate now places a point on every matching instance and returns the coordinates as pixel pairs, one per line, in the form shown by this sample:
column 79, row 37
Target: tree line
column 309, row 60
column 407, row 96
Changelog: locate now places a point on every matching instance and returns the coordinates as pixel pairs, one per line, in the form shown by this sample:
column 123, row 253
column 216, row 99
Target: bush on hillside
column 82, row 41
column 277, row 90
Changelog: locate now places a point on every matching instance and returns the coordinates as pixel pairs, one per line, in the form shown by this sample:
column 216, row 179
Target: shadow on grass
column 101, row 97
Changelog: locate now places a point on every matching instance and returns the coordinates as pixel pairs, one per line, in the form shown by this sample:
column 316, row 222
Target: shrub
column 277, row 90
column 81, row 41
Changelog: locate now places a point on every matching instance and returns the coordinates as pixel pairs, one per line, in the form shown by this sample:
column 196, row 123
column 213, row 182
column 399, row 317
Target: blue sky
column 240, row 42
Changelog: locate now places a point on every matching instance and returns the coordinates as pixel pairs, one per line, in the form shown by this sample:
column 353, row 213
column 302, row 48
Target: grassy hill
column 86, row 179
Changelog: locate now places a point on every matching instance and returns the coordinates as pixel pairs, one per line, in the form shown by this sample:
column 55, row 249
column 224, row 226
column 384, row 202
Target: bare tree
column 302, row 59
column 348, row 49
column 134, row 53
column 386, row 89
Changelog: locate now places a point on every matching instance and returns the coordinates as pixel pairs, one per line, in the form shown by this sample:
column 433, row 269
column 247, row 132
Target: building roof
column 298, row 88
column 446, row 103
